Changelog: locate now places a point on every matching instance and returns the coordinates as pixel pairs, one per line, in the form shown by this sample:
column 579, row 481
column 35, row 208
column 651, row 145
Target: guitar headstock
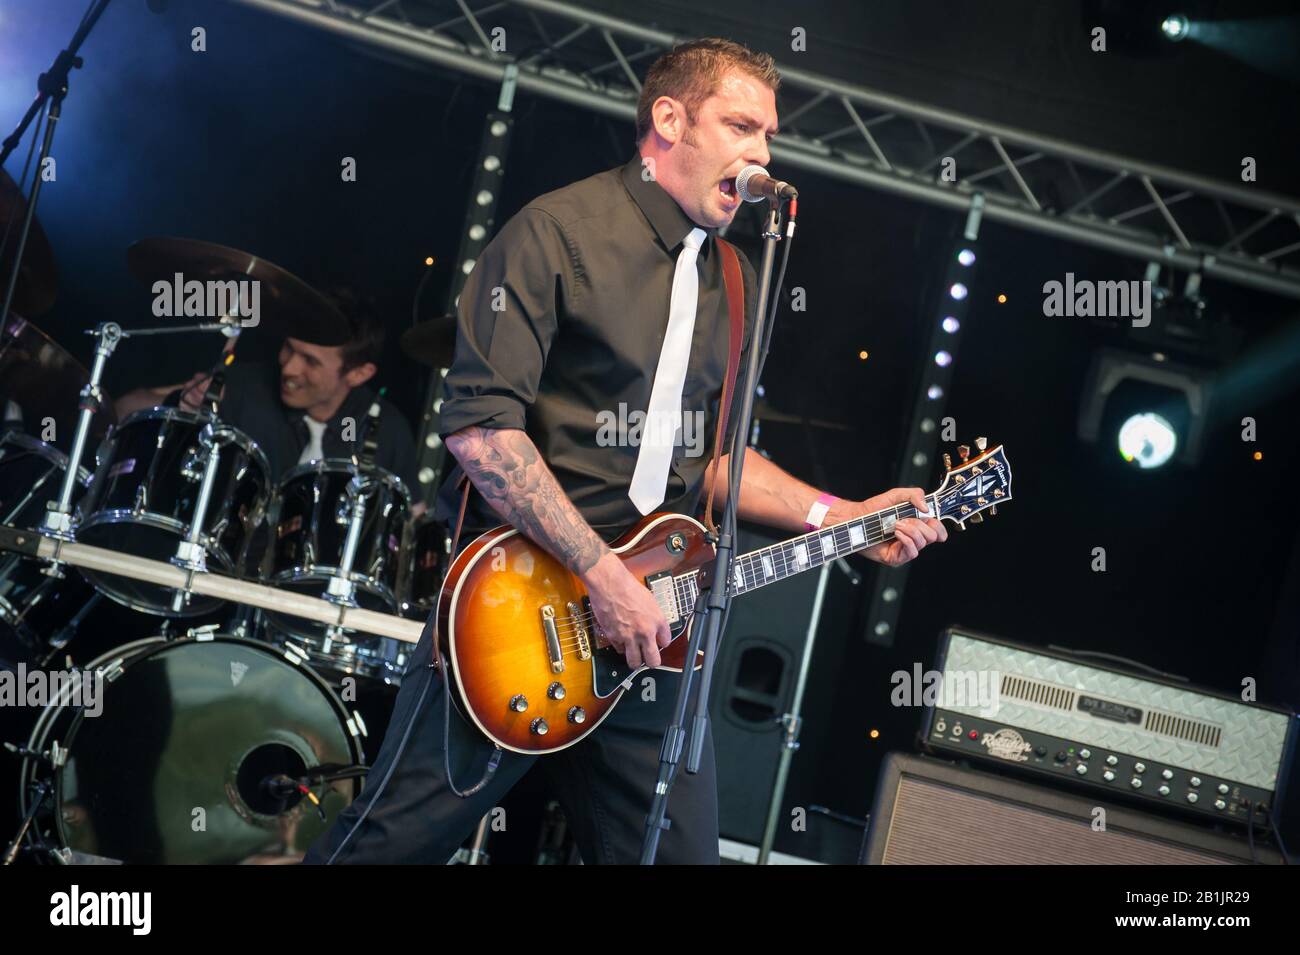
column 976, row 485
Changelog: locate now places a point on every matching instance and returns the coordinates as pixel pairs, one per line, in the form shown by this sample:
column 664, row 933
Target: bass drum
column 165, row 757
column 38, row 613
column 143, row 496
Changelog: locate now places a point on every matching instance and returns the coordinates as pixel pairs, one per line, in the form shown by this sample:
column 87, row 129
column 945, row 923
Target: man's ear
column 669, row 119
column 360, row 374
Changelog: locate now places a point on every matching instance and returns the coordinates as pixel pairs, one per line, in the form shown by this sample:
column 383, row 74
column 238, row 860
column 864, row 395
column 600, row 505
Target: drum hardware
column 191, row 554
column 58, row 519
column 341, row 589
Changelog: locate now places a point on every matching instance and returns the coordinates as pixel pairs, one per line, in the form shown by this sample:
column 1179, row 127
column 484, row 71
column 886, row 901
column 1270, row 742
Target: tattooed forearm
column 507, row 470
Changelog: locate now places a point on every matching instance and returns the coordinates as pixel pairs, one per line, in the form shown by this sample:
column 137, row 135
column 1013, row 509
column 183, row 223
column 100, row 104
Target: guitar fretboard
column 776, row 562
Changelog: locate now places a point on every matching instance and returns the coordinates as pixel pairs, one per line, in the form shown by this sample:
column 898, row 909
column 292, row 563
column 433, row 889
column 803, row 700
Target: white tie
column 313, row 451
column 663, row 417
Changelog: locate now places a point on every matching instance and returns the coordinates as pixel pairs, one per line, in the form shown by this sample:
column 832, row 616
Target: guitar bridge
column 580, row 631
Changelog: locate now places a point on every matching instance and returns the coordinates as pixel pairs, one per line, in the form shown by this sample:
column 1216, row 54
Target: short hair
column 367, row 334
column 691, row 72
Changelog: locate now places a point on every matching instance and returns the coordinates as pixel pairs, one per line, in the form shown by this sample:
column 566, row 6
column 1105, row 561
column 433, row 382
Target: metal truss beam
column 854, row 134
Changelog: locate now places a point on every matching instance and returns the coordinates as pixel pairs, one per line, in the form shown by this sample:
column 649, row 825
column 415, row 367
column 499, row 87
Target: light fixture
column 1175, row 27
column 1147, row 440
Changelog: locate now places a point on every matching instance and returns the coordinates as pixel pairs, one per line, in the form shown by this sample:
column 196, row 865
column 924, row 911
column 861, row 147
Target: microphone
column 754, row 185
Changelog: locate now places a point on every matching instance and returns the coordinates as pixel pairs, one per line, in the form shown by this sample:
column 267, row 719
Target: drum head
column 173, row 768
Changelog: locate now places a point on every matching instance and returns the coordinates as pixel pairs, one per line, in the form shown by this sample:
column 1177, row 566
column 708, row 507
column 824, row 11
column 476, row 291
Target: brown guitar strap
column 735, row 285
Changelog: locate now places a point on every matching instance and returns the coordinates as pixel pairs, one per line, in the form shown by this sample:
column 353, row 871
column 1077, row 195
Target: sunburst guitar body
column 522, row 650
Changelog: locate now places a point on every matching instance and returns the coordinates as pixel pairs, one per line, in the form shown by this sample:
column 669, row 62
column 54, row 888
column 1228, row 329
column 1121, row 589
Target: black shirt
column 559, row 331
column 252, row 404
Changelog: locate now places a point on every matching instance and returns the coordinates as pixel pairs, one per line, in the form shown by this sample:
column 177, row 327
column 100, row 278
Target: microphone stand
column 706, row 628
column 51, row 87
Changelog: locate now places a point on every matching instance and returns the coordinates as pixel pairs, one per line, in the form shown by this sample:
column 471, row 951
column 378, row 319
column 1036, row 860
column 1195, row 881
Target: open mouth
column 728, row 189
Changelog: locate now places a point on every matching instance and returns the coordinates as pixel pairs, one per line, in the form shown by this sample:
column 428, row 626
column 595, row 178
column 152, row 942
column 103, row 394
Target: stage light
column 1147, row 440
column 1002, row 300
column 1175, row 27
column 1258, row 455
column 863, row 354
column 950, row 325
column 934, row 393
column 966, row 257
column 942, row 359
column 958, row 291
column 428, row 260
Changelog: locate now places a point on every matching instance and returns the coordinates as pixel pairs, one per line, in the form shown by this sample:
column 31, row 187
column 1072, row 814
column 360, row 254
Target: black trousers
column 603, row 783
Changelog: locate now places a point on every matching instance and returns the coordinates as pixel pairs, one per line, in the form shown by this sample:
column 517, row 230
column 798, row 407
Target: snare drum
column 169, row 759
column 144, row 492
column 316, row 511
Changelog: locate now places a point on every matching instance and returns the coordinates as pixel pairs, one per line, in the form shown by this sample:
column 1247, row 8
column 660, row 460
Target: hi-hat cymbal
column 44, row 380
column 431, row 343
column 37, row 277
column 287, row 304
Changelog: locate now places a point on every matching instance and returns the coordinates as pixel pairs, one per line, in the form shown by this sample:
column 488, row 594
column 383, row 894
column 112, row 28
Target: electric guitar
column 520, row 642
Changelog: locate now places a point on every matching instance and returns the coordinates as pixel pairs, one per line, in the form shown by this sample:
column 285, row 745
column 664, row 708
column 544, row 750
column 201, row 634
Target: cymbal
column 287, row 304
column 44, row 380
column 431, row 343
column 766, row 413
column 37, row 277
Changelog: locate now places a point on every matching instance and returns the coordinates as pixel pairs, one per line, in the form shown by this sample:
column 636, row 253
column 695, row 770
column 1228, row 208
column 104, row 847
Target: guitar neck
column 767, row 565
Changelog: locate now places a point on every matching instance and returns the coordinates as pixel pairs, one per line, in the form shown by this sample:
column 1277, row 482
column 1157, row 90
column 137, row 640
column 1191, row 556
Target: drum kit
column 265, row 612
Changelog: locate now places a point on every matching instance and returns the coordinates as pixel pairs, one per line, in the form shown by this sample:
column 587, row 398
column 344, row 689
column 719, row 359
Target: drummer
column 312, row 404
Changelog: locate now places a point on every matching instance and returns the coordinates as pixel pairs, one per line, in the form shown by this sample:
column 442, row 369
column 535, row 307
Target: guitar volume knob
column 518, row 702
column 556, row 691
column 539, row 727
column 577, row 714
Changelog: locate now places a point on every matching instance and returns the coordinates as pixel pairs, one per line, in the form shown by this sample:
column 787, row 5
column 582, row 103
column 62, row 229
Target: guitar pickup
column 552, row 636
column 662, row 587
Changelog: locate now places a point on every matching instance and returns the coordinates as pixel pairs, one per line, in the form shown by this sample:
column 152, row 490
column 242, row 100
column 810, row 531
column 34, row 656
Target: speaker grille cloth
column 933, row 824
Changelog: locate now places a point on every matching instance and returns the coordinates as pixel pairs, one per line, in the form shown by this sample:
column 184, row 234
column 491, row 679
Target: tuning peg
column 981, row 443
column 963, row 452
column 961, row 525
column 947, row 461
column 993, row 511
column 976, row 518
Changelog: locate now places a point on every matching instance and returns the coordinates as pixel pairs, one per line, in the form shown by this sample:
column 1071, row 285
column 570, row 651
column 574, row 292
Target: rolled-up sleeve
column 505, row 324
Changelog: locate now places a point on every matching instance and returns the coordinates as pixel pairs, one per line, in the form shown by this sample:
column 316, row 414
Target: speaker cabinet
column 931, row 812
column 754, row 683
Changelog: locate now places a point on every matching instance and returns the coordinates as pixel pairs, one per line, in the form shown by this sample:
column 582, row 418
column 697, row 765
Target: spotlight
column 1175, row 27
column 1156, row 411
column 950, row 325
column 966, row 257
column 1147, row 440
column 958, row 291
column 942, row 359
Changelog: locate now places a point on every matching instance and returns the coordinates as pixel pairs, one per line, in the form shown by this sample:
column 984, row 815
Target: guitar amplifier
column 1158, row 741
column 930, row 812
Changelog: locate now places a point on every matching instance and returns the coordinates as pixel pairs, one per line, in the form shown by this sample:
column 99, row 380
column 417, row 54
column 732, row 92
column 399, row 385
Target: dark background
column 242, row 145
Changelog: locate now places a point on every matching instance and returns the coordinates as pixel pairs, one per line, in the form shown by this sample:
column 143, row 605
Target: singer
column 607, row 293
